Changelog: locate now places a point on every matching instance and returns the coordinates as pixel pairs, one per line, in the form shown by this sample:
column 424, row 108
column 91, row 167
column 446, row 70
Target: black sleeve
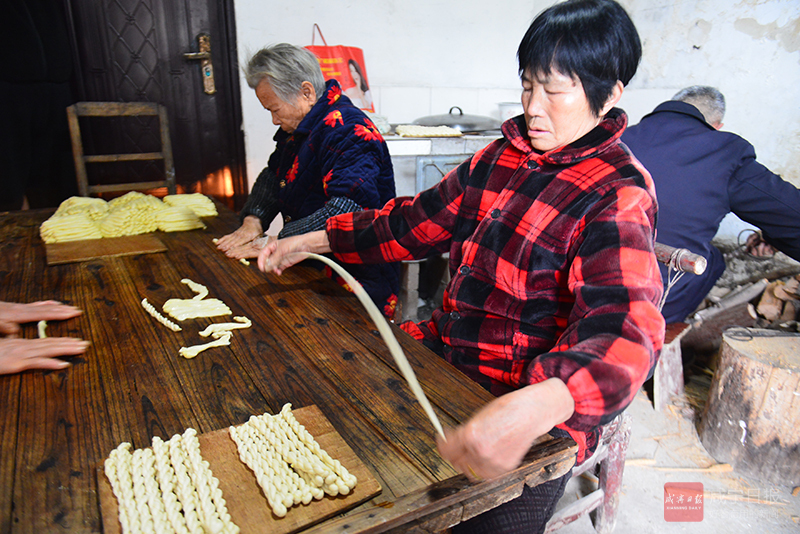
column 262, row 201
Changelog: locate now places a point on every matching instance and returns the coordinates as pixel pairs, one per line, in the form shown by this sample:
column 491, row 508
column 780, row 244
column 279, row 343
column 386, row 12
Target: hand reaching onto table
column 495, row 440
column 249, row 230
column 251, row 249
column 22, row 354
column 279, row 255
column 13, row 314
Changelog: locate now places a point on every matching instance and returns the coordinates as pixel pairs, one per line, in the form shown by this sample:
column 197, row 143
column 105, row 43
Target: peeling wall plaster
column 788, row 36
column 750, row 50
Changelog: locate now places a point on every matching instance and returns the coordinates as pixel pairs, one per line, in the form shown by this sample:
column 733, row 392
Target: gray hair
column 286, row 67
column 708, row 100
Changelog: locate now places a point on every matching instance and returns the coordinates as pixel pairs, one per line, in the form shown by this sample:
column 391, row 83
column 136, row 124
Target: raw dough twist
column 149, row 308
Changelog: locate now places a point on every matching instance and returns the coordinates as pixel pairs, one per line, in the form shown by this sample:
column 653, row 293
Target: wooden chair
column 120, row 109
column 609, row 458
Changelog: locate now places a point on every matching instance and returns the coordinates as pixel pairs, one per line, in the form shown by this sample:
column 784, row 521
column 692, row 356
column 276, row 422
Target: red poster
column 346, row 65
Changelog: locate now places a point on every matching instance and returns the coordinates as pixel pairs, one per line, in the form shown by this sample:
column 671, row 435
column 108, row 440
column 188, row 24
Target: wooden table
column 311, row 343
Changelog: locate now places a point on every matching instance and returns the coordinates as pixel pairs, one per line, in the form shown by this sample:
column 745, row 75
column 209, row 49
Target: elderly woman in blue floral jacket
column 330, row 159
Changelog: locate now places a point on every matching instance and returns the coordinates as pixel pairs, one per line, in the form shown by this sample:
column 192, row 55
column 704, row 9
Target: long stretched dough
column 387, row 335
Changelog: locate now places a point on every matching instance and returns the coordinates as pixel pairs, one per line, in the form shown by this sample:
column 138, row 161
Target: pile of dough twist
column 168, row 488
column 197, row 202
column 130, row 214
column 287, row 461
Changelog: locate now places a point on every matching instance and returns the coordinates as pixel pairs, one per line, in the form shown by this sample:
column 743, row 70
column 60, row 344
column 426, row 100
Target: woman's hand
column 22, row 354
column 13, row 314
column 250, row 229
column 251, row 249
column 495, row 440
column 280, row 255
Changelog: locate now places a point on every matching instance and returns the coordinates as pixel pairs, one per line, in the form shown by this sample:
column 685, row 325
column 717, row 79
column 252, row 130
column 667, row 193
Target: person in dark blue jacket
column 329, row 159
column 701, row 174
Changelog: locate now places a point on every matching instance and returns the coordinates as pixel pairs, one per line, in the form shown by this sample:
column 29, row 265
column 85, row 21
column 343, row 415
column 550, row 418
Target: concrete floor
column 669, row 439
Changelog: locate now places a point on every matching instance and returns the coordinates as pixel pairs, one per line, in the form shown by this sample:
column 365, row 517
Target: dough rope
column 222, row 338
column 149, row 308
column 241, row 322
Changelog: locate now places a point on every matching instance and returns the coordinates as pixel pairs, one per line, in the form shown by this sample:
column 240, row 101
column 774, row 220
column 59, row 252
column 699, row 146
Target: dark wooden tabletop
column 311, row 343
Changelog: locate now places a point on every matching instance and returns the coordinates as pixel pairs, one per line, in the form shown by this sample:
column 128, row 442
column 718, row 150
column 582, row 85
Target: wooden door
column 150, row 50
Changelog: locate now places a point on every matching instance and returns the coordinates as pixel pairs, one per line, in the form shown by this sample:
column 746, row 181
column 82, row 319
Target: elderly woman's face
column 287, row 115
column 556, row 110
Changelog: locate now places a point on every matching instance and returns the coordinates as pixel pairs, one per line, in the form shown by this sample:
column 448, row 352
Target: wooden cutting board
column 91, row 249
column 245, row 500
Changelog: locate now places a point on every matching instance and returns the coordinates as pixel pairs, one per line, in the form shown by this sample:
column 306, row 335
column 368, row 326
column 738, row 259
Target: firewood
column 789, row 311
column 783, row 292
column 792, row 286
column 770, row 306
column 734, row 298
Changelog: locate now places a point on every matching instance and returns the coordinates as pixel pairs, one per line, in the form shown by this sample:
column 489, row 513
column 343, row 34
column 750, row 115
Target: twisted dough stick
column 110, row 466
column 160, row 318
column 121, row 458
column 185, row 491
column 212, row 505
column 166, row 480
column 139, row 475
column 250, row 456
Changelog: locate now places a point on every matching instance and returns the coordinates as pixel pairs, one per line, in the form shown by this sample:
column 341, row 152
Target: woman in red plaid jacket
column 552, row 303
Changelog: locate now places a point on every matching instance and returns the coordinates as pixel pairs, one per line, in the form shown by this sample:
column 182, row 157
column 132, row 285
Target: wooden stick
column 650, row 462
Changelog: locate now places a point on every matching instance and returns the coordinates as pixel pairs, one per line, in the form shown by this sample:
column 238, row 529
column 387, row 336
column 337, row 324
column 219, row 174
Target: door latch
column 204, row 56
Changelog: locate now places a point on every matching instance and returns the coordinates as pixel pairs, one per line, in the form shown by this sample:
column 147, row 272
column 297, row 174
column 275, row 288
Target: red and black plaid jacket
column 551, row 262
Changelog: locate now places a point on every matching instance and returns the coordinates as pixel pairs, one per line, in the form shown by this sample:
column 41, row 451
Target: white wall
column 424, row 56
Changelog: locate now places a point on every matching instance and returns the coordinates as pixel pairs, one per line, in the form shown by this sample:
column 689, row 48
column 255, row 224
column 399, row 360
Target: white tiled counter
column 407, row 152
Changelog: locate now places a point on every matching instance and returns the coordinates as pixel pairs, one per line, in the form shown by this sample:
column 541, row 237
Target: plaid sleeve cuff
column 317, row 220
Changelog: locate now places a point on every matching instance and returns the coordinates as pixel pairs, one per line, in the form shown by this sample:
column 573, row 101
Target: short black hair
column 593, row 40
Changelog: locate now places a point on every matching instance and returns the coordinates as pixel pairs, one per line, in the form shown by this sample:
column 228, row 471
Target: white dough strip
column 387, row 335
column 149, row 308
column 200, row 289
column 182, row 309
column 222, row 338
column 42, row 325
column 241, row 322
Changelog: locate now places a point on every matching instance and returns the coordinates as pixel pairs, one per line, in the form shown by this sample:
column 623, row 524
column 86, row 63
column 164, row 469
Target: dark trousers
column 527, row 514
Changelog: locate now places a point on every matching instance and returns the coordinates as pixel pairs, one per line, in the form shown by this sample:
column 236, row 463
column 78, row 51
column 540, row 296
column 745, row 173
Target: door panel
column 133, row 50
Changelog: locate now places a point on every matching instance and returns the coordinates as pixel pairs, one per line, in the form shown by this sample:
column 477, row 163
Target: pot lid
column 460, row 121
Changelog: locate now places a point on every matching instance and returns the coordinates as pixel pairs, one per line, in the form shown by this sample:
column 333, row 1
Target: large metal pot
column 461, row 122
